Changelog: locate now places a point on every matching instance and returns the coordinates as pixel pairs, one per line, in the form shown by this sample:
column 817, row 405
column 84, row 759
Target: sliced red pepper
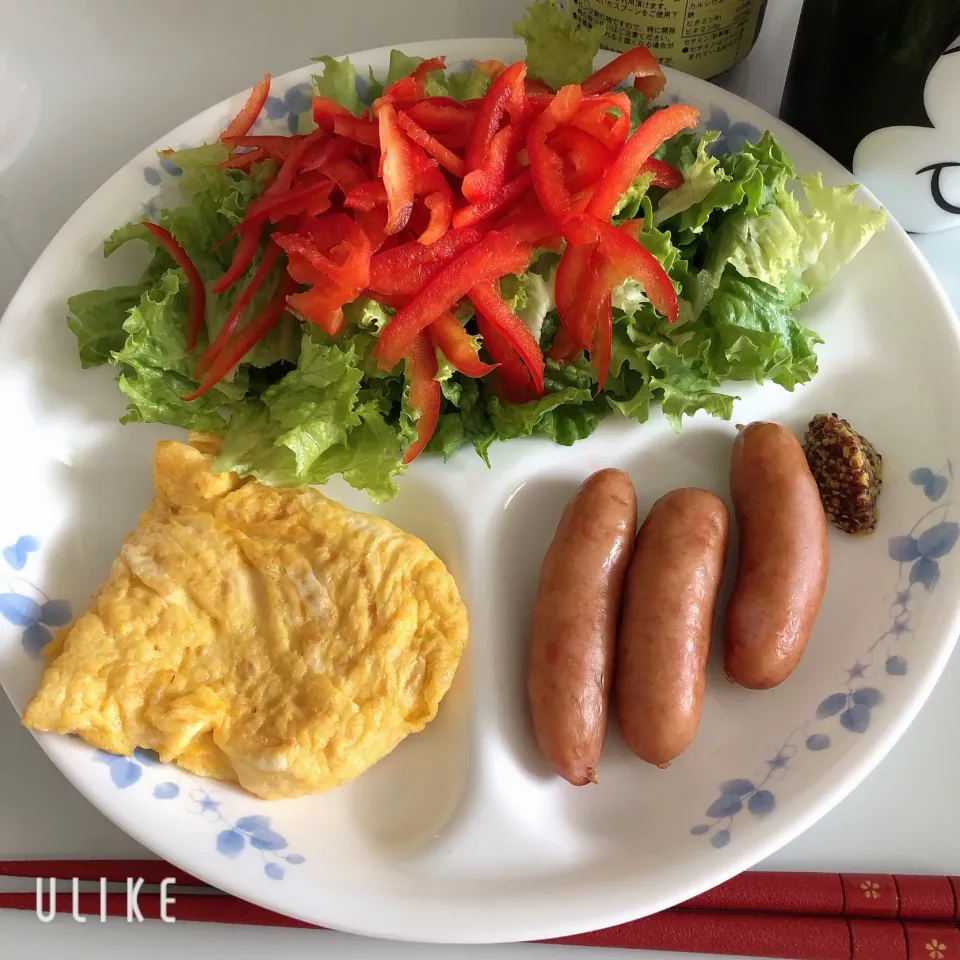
column 489, row 179
column 664, row 175
column 492, row 68
column 242, row 256
column 406, row 268
column 243, row 161
column 246, row 339
column 324, row 152
column 588, row 157
column 248, row 114
column 439, row 113
column 446, row 157
column 603, row 341
column 545, row 163
column 334, row 245
column 325, row 112
column 367, row 196
column 358, row 130
column 486, row 298
column 237, row 310
column 570, row 273
column 424, row 393
column 397, row 167
column 629, row 258
column 632, row 228
column 313, row 198
column 412, row 86
column 347, row 174
column 274, row 146
column 648, row 76
column 535, row 87
column 316, row 307
column 502, row 94
column 452, row 340
column 197, row 310
column 512, row 380
column 564, row 349
column 497, row 255
column 596, row 117
column 636, row 151
column 477, row 212
column 374, row 225
column 440, row 204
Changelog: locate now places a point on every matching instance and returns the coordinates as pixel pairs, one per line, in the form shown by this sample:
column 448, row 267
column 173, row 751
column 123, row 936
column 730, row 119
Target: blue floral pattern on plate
column 918, row 555
column 24, row 604
column 235, row 836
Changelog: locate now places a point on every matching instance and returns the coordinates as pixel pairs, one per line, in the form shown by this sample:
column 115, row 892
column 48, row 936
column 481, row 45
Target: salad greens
column 744, row 242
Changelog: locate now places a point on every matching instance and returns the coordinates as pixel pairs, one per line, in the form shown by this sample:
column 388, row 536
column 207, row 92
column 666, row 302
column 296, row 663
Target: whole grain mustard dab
column 848, row 471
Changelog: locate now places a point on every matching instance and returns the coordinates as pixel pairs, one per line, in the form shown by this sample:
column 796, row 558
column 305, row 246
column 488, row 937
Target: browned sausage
column 573, row 632
column 784, row 557
column 669, row 600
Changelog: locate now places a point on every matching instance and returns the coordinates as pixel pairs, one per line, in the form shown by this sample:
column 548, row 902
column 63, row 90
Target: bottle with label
column 875, row 83
column 701, row 37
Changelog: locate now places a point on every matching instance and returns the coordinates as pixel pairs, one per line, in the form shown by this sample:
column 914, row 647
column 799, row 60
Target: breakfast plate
column 461, row 834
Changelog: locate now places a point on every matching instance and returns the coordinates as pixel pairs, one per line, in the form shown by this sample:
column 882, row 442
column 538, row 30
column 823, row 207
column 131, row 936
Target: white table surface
column 107, row 77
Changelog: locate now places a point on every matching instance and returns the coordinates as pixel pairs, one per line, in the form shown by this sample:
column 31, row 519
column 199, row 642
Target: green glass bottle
column 859, row 65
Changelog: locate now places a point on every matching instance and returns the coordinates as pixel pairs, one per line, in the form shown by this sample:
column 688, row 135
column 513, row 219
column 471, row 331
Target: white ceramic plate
column 461, row 834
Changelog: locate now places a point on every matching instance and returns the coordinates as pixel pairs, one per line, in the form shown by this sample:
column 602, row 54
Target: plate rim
column 735, row 861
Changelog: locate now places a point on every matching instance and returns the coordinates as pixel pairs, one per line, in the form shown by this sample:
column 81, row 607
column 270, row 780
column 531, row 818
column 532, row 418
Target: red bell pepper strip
column 588, row 157
column 237, row 310
column 246, row 339
column 648, row 77
column 511, row 380
column 664, row 175
column 248, row 114
column 424, row 393
column 406, row 268
column 313, row 198
column 534, row 87
column 446, row 157
column 492, row 68
column 325, row 151
column 453, row 341
column 502, row 94
column 632, row 228
column 636, row 151
column 315, row 307
column 367, row 196
column 243, row 161
column 360, row 131
column 347, row 174
column 596, row 116
column 412, row 86
column 333, row 245
column 439, row 114
column 498, row 254
column 397, row 167
column 545, row 163
column 273, row 146
column 489, row 179
column 486, row 298
column 477, row 212
column 197, row 310
column 573, row 266
column 440, row 205
column 325, row 112
column 242, row 256
column 563, row 350
column 628, row 259
column 374, row 225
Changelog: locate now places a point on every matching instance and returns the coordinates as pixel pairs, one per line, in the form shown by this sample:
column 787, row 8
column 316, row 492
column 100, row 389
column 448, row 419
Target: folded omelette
column 256, row 634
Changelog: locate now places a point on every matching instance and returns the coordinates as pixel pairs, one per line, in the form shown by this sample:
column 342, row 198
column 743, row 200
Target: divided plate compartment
column 462, row 834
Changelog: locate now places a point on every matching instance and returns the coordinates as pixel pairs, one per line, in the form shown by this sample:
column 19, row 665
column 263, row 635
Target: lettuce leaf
column 97, row 319
column 339, row 82
column 559, row 50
